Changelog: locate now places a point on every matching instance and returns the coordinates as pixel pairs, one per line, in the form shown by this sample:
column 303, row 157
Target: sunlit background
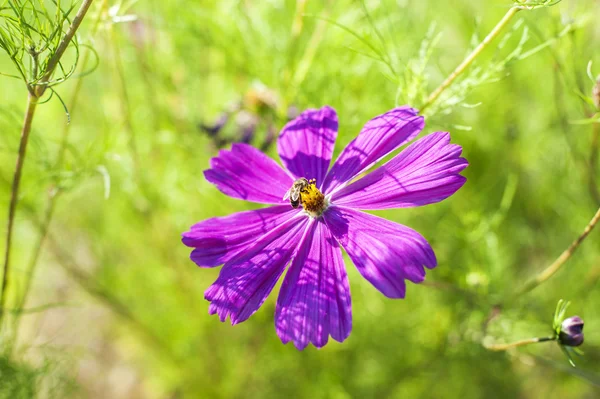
column 116, row 308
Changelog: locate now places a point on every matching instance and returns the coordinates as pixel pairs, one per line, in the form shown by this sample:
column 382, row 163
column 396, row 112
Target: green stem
column 14, row 196
column 560, row 261
column 523, row 342
column 471, row 57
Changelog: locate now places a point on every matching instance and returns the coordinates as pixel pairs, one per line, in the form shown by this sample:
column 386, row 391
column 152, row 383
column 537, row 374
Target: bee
column 294, row 192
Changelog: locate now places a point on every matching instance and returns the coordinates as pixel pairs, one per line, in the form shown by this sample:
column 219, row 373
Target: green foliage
column 30, row 33
column 129, row 181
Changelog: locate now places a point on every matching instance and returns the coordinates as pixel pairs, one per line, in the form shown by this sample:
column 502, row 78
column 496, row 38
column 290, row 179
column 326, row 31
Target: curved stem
column 14, row 195
column 523, row 342
column 560, row 261
column 471, row 57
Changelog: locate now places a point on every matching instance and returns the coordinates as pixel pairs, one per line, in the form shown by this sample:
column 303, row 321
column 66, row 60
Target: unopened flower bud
column 571, row 331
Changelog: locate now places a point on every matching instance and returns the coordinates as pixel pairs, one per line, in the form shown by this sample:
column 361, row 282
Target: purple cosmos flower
column 256, row 246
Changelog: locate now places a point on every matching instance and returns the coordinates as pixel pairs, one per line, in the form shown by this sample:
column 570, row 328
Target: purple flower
column 571, row 331
column 256, row 246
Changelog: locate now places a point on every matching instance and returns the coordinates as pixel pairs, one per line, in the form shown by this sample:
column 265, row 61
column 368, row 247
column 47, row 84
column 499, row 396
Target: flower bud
column 571, row 331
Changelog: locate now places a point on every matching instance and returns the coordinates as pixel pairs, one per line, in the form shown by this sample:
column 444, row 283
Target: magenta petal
column 217, row 240
column 427, row 171
column 246, row 280
column 306, row 143
column 314, row 301
column 380, row 136
column 248, row 174
column 384, row 252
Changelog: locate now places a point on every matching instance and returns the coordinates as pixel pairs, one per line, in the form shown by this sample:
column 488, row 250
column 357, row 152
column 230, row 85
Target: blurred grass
column 180, row 64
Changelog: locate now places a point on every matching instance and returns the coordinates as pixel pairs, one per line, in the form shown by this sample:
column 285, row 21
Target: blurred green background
column 116, row 307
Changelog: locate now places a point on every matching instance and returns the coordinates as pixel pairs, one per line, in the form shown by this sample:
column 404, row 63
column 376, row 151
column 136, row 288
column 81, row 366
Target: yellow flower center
column 313, row 200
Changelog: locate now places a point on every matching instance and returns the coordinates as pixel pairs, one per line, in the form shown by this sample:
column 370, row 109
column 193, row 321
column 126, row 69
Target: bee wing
column 295, row 194
column 287, row 194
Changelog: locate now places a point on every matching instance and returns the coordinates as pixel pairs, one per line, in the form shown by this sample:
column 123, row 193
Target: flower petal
column 306, row 143
column 314, row 301
column 427, row 171
column 217, row 240
column 384, row 252
column 247, row 279
column 248, row 174
column 380, row 136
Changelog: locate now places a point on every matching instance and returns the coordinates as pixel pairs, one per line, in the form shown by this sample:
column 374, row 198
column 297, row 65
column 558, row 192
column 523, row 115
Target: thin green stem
column 562, row 259
column 471, row 57
column 523, row 342
column 34, row 69
column 14, row 196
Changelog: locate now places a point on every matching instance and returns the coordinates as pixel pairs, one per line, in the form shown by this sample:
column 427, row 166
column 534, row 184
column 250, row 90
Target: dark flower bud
column 571, row 331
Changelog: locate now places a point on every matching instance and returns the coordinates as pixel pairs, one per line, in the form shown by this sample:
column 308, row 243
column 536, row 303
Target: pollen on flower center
column 313, row 201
